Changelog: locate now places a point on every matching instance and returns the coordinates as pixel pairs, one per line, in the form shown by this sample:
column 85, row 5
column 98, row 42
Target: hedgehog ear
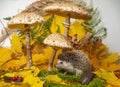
column 60, row 56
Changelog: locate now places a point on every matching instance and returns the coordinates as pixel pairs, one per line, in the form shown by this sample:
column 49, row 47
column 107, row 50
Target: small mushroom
column 24, row 21
column 56, row 40
column 69, row 10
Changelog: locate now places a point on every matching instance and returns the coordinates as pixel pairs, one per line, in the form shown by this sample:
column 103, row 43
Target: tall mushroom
column 24, row 21
column 56, row 40
column 69, row 10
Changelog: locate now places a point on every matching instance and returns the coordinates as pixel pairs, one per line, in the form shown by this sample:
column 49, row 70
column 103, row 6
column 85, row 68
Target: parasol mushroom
column 24, row 21
column 69, row 10
column 38, row 6
column 56, row 40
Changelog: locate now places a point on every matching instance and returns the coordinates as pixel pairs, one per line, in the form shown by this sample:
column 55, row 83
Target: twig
column 5, row 34
column 5, row 29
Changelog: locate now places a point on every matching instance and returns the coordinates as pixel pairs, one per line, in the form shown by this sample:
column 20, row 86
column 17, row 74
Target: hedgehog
column 75, row 62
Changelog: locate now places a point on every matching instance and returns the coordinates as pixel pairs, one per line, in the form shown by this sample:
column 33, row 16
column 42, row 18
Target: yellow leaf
column 55, row 79
column 38, row 84
column 10, row 74
column 113, row 57
column 109, row 85
column 78, row 29
column 4, row 84
column 38, row 59
column 30, row 79
column 5, row 55
column 95, row 63
column 113, row 67
column 36, row 70
column 102, row 50
column 57, row 21
column 48, row 52
column 32, row 71
column 19, row 85
column 16, row 44
column 13, row 65
column 108, row 76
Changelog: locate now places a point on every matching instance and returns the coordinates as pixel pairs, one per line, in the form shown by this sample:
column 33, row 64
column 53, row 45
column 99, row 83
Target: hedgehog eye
column 61, row 62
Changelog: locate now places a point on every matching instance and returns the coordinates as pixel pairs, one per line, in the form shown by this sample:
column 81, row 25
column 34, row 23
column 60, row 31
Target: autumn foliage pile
column 13, row 60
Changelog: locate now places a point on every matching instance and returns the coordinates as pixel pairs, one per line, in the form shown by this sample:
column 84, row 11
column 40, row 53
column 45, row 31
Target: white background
column 110, row 11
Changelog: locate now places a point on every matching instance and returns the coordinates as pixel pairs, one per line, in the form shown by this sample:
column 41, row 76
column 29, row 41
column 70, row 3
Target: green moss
column 97, row 82
column 72, row 79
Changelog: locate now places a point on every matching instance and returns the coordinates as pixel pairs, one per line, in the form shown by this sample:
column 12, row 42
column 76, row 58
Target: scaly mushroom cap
column 22, row 20
column 57, row 40
column 38, row 6
column 68, row 8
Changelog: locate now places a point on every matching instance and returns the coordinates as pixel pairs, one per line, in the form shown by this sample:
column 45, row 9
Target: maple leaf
column 110, row 77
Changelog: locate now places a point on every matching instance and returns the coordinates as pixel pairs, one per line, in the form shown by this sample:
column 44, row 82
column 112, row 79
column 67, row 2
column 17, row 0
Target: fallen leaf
column 110, row 77
column 55, row 79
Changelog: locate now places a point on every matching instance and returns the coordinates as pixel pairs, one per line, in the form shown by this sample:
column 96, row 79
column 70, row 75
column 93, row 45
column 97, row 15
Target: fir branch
column 95, row 25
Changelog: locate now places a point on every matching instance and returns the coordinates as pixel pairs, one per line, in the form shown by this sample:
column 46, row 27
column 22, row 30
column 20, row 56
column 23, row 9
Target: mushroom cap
column 57, row 40
column 68, row 8
column 23, row 19
column 38, row 6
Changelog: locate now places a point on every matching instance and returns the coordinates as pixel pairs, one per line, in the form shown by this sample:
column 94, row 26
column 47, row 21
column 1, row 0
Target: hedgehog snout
column 56, row 65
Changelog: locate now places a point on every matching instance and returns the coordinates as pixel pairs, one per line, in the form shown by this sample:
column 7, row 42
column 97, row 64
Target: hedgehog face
column 62, row 64
column 65, row 66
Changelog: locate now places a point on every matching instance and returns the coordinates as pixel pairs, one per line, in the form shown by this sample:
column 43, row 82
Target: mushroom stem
column 29, row 55
column 67, row 25
column 52, row 59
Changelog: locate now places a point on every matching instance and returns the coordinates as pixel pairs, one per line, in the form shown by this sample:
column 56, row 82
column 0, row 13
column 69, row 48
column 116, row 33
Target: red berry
column 15, row 78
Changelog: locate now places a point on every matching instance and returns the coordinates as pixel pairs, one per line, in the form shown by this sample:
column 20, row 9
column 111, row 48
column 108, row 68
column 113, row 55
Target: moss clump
column 73, row 80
